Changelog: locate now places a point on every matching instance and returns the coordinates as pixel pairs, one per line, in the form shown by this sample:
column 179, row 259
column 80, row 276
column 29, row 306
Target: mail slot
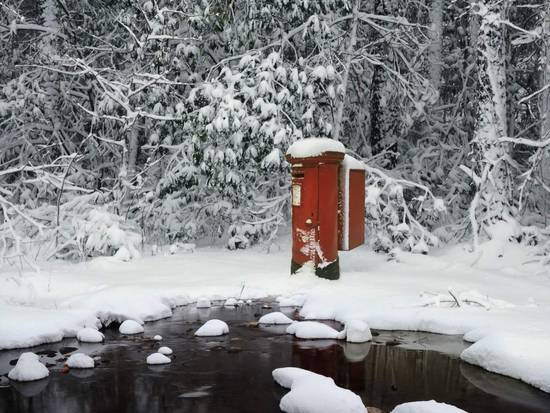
column 326, row 193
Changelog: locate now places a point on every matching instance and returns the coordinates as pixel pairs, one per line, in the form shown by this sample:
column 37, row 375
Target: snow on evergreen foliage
column 174, row 119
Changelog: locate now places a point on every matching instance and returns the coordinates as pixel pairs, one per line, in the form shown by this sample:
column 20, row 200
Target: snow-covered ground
column 504, row 302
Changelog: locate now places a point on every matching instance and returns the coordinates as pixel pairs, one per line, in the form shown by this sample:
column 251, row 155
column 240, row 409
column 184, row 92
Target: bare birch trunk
column 349, row 53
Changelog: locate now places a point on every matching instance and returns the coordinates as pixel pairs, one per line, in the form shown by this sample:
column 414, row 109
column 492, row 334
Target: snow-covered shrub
column 399, row 213
column 104, row 233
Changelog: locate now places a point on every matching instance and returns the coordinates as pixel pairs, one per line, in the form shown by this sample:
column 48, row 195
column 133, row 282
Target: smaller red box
column 352, row 204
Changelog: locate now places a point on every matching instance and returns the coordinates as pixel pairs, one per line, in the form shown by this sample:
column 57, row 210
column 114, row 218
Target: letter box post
column 315, row 192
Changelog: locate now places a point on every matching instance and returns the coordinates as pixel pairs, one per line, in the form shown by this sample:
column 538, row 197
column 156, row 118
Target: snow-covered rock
column 89, row 335
column 275, row 317
column 157, row 338
column 310, row 147
column 157, row 358
column 212, row 328
column 80, row 361
column 28, row 368
column 173, row 249
column 357, row 331
column 203, row 302
column 314, row 393
column 314, row 330
column 165, row 350
column 230, row 302
column 130, row 327
column 430, row 406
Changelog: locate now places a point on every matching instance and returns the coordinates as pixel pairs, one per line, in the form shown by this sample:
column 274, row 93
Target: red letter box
column 328, row 204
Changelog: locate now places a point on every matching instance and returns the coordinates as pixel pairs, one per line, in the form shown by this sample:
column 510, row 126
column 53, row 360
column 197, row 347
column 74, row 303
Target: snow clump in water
column 28, row 368
column 157, row 358
column 275, row 317
column 212, row 328
column 80, row 361
column 130, row 327
column 89, row 335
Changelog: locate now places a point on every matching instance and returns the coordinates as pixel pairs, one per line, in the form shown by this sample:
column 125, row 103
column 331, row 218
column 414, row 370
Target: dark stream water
column 233, row 373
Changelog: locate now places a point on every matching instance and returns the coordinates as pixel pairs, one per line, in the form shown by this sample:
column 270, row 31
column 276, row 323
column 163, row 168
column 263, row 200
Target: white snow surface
column 314, row 393
column 430, row 406
column 28, row 368
column 203, row 302
column 505, row 311
column 158, row 358
column 212, row 328
column 275, row 317
column 157, row 337
column 89, row 335
column 230, row 302
column 130, row 327
column 311, row 147
column 165, row 350
column 80, row 361
column 357, row 331
column 314, row 330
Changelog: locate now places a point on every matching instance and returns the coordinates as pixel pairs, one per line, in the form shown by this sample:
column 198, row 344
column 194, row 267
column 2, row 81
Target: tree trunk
column 545, row 75
column 349, row 53
column 436, row 34
column 491, row 201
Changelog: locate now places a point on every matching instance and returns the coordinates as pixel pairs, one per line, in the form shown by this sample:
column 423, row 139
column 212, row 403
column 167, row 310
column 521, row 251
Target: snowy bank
column 504, row 302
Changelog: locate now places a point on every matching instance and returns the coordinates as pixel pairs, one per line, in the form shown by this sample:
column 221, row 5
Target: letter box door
column 305, row 214
column 356, row 229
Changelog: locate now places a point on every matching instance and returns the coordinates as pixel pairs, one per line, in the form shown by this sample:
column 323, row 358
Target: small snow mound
column 275, row 318
column 310, row 147
column 314, row 393
column 165, row 350
column 157, row 338
column 230, row 302
column 212, row 328
column 28, row 368
column 157, row 358
column 173, row 249
column 203, row 302
column 123, row 254
column 80, row 361
column 130, row 327
column 314, row 330
column 89, row 335
column 357, row 331
column 426, row 407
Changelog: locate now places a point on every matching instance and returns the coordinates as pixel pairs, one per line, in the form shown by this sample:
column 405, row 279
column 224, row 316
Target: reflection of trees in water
column 385, row 376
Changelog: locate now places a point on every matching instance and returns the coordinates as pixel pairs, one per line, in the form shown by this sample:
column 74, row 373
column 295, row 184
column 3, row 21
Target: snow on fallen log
column 314, row 393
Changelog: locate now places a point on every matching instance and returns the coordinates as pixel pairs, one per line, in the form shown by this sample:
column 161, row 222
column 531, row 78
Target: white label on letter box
column 296, row 195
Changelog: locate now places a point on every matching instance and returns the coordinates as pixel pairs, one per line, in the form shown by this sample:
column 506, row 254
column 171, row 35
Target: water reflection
column 233, row 373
